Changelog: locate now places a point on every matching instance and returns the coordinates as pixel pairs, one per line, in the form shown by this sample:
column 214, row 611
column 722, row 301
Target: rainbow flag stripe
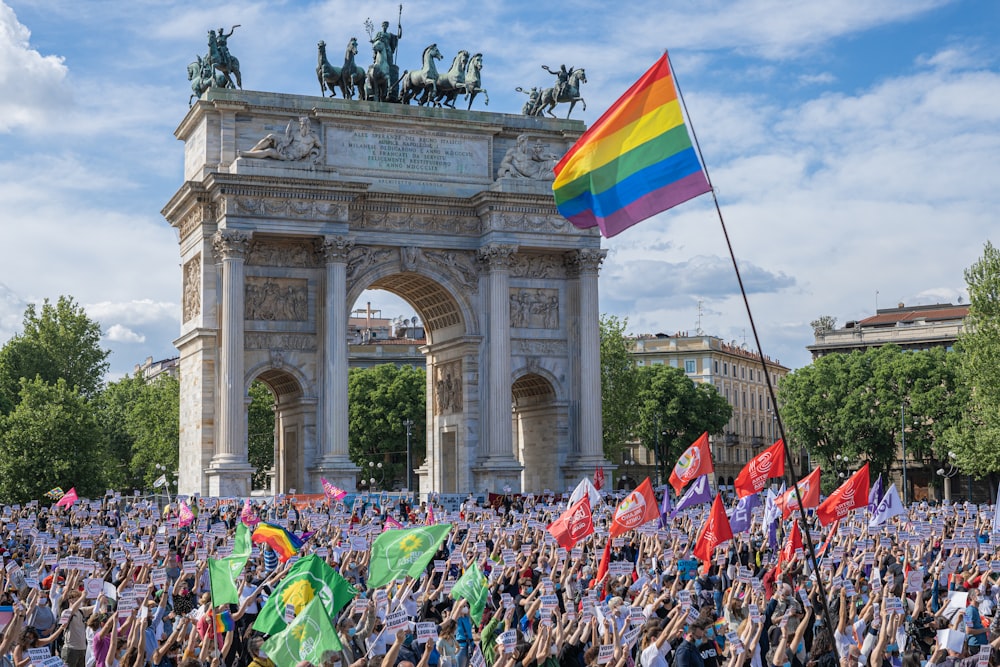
column 284, row 543
column 634, row 162
column 224, row 622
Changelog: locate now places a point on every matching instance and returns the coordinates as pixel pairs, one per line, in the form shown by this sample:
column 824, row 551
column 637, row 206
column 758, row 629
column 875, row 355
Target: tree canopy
column 260, row 432
column 619, row 377
column 679, row 408
column 380, row 399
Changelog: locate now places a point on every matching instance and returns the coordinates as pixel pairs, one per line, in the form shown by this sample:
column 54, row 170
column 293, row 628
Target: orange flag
column 716, row 531
column 787, row 553
column 851, row 495
column 693, row 463
column 574, row 524
column 637, row 508
column 808, row 487
column 769, row 463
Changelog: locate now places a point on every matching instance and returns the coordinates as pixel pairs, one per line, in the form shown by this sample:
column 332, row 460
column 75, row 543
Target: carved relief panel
column 276, row 253
column 191, row 302
column 285, row 299
column 448, row 388
column 534, row 308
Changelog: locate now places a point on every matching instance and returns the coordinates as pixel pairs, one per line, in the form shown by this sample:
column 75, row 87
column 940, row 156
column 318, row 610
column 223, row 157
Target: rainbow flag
column 634, row 162
column 284, row 543
column 223, row 621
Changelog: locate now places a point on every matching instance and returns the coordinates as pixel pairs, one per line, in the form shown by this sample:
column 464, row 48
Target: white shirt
column 655, row 656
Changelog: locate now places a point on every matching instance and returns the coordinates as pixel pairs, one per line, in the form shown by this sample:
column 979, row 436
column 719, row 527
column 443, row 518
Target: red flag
column 809, row 488
column 638, row 507
column 716, row 531
column 769, row 463
column 602, row 567
column 599, row 478
column 851, row 495
column 794, row 542
column 68, row 498
column 693, row 463
column 573, row 525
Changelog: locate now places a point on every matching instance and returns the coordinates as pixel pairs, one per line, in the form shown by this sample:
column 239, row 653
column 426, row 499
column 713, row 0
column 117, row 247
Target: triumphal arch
column 292, row 206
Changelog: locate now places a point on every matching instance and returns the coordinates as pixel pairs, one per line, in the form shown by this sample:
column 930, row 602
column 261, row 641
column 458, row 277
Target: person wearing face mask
column 689, row 650
column 260, row 659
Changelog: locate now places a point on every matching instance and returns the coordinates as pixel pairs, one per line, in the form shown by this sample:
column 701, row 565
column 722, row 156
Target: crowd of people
column 118, row 582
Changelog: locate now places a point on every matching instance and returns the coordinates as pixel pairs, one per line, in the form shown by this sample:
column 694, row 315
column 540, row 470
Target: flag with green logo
column 306, row 638
column 398, row 553
column 221, row 583
column 241, row 550
column 471, row 586
column 308, row 578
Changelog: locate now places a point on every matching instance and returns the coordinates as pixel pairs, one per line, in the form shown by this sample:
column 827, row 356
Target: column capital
column 336, row 248
column 497, row 256
column 585, row 260
column 231, row 244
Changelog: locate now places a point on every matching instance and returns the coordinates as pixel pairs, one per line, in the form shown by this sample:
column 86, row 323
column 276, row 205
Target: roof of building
column 934, row 313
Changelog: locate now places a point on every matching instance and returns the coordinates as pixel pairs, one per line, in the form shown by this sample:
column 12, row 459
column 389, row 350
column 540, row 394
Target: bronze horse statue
column 570, row 92
column 452, row 82
column 348, row 77
column 203, row 76
column 473, row 80
column 423, row 80
column 377, row 80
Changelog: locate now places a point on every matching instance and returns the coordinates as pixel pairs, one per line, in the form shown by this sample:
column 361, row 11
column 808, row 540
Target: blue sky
column 853, row 145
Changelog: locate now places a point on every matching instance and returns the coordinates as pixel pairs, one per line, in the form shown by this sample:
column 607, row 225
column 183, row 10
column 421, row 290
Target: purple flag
column 665, row 507
column 875, row 496
column 741, row 517
column 699, row 492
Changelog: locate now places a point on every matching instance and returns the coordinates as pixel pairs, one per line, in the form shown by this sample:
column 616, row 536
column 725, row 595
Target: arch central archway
column 294, row 428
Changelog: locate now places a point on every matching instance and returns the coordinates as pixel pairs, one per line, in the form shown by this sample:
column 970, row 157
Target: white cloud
column 121, row 334
column 135, row 312
column 32, row 86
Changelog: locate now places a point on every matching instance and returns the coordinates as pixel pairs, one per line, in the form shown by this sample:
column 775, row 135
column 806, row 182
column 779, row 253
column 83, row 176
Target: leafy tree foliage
column 260, row 432
column 975, row 440
column 681, row 409
column 113, row 407
column 619, row 378
column 823, row 324
column 380, row 398
column 154, row 423
column 856, row 405
column 51, row 438
column 58, row 342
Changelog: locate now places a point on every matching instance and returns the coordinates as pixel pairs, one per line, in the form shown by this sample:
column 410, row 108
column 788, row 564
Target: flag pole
column 760, row 351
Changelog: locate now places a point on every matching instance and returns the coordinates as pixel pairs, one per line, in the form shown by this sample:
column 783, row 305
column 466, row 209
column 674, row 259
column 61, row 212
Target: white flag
column 160, row 481
column 889, row 507
column 996, row 514
column 585, row 488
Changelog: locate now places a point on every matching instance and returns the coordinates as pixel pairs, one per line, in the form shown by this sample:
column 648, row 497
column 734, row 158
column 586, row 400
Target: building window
column 690, row 366
column 753, row 429
column 716, row 367
column 743, row 372
column 725, row 368
column 744, row 400
column 760, row 402
column 657, row 362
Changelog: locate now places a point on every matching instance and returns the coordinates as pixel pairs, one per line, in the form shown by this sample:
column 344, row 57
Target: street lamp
column 902, row 430
column 408, row 423
column 947, row 474
column 372, row 468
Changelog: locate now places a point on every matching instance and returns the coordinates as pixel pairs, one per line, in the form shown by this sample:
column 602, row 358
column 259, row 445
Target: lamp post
column 408, row 423
column 372, row 468
column 656, row 447
column 947, row 474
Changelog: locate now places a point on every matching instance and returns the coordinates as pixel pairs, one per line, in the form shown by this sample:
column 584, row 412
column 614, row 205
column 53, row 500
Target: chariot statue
column 567, row 89
column 349, row 77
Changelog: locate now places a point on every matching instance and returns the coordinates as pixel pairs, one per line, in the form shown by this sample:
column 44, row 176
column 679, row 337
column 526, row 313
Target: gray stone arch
column 294, row 422
column 540, row 425
column 451, row 360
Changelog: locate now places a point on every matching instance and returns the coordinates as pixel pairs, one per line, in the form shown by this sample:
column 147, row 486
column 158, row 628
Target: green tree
column 856, row 405
column 58, row 342
column 51, row 438
column 154, row 423
column 380, row 399
column 113, row 406
column 260, row 432
column 619, row 377
column 974, row 440
column 680, row 409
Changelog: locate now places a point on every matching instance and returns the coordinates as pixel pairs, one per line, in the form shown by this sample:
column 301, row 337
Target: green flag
column 241, row 550
column 472, row 587
column 398, row 553
column 221, row 583
column 308, row 637
column 308, row 578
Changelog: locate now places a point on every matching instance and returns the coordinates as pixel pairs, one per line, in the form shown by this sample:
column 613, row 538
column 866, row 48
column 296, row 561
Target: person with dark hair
column 688, row 653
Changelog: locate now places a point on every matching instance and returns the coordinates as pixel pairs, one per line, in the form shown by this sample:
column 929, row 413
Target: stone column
column 229, row 472
column 586, row 264
column 334, row 463
column 499, row 466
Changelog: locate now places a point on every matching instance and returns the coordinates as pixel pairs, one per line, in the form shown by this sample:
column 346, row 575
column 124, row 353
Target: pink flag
column 68, row 499
column 185, row 514
column 248, row 516
column 391, row 523
column 430, row 515
column 332, row 492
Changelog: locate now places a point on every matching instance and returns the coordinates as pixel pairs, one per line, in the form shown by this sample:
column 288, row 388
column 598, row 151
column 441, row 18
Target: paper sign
column 605, row 652
column 426, row 631
column 396, row 620
column 93, row 587
column 289, row 613
column 509, row 640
